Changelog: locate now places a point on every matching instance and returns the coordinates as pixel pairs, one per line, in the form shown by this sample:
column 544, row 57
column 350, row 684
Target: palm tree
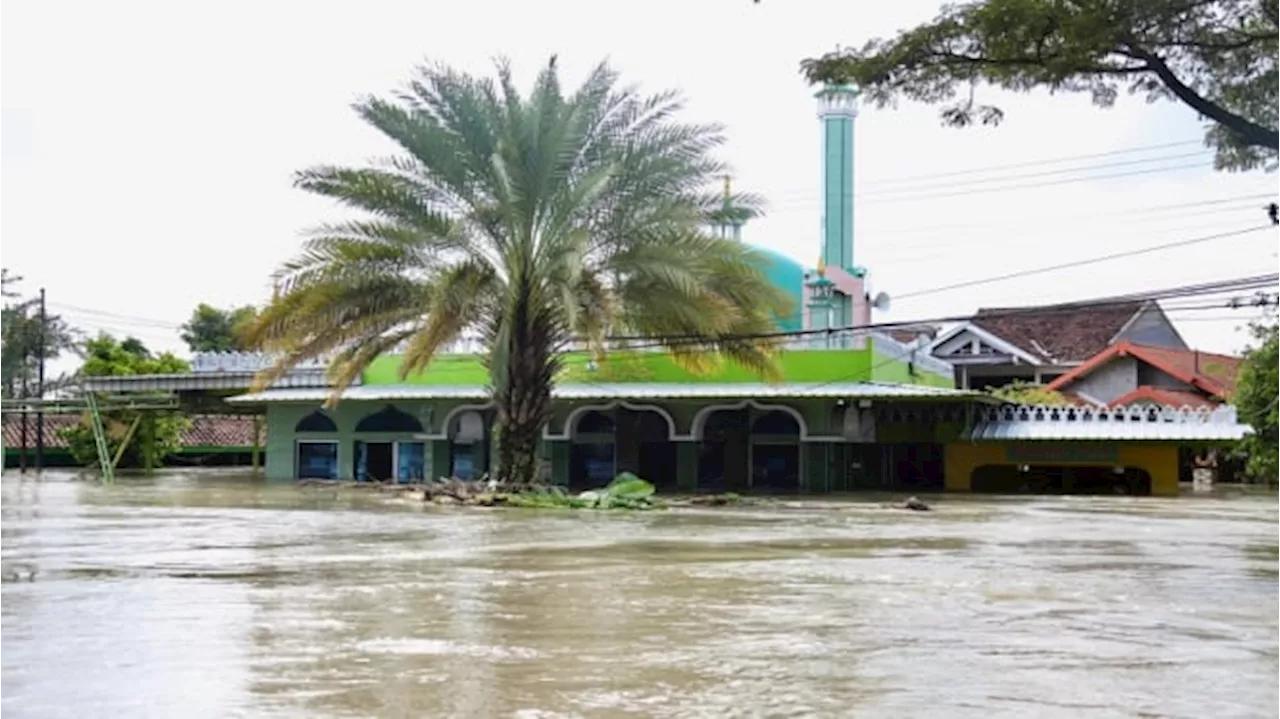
column 537, row 223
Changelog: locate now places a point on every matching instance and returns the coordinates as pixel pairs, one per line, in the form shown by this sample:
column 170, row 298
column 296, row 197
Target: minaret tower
column 727, row 222
column 820, row 306
column 837, row 109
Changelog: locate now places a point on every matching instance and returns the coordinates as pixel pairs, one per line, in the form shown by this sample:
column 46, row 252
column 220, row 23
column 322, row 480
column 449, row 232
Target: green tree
column 1218, row 57
column 1023, row 392
column 535, row 222
column 210, row 329
column 1255, row 399
column 158, row 433
column 21, row 333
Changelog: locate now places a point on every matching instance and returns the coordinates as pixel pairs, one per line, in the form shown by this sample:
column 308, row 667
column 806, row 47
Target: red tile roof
column 205, row 431
column 1061, row 333
column 1164, row 396
column 1213, row 374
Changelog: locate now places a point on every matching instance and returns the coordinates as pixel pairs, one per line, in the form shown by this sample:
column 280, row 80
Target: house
column 1039, row 344
column 1129, row 373
column 210, row 440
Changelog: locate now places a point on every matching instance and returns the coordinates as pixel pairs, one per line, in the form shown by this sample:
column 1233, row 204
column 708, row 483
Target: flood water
column 206, row 595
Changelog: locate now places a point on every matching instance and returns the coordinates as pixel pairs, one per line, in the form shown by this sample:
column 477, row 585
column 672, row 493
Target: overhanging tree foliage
column 530, row 221
column 1257, row 393
column 210, row 329
column 1023, row 392
column 1218, row 57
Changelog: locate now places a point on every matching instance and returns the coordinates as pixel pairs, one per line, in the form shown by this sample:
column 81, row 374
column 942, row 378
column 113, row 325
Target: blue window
column 412, row 461
column 317, row 460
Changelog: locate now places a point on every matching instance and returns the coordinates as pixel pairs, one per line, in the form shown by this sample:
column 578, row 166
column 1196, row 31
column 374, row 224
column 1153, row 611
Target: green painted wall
column 800, row 366
column 888, row 369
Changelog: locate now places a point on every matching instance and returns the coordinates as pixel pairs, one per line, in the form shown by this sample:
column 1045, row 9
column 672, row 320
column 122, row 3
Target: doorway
column 775, row 468
column 375, row 461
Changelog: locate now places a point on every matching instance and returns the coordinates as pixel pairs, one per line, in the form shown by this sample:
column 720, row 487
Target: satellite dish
column 881, row 302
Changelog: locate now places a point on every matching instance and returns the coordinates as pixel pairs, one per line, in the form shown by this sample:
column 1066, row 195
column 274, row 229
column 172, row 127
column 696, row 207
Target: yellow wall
column 1159, row 460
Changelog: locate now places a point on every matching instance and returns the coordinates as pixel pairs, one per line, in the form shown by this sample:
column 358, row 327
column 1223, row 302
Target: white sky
column 148, row 148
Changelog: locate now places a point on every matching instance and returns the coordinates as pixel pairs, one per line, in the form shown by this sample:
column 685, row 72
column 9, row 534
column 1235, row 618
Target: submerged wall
column 1160, row 461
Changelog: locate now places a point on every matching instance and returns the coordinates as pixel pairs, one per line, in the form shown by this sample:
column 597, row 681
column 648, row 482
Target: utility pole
column 22, row 370
column 40, row 386
column 10, row 315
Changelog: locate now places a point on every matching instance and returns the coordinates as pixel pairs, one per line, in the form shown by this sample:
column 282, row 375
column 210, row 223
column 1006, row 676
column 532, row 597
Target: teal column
column 837, row 109
column 687, row 466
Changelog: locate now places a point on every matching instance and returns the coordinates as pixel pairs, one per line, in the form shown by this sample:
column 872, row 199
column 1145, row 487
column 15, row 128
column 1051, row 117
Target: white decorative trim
column 985, row 336
column 570, row 422
column 1134, row 423
column 1146, row 414
column 700, row 419
column 448, row 419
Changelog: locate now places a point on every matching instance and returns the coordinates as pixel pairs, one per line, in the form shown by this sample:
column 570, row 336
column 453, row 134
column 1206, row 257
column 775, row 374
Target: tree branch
column 1251, row 132
column 1038, row 62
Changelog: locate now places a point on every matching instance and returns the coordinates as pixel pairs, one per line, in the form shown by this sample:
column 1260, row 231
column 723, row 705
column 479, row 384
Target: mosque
column 833, row 294
column 855, row 408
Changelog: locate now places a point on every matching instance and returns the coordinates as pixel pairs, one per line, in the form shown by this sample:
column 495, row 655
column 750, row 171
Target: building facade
column 1039, row 344
column 856, row 409
column 1128, row 373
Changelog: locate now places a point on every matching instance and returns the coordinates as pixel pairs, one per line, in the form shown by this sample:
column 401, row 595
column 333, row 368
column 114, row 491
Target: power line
column 1245, row 203
column 1083, row 262
column 944, row 288
column 1048, row 161
column 1206, row 288
column 912, row 183
column 1044, row 173
column 1028, row 186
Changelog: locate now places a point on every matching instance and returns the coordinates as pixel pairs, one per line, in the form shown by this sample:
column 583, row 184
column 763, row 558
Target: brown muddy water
column 213, row 595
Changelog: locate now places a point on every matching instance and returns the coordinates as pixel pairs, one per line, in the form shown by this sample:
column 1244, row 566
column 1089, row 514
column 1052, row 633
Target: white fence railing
column 1145, row 414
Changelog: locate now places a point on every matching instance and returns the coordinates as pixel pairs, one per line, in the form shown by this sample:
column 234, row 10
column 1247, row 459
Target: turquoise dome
column 788, row 275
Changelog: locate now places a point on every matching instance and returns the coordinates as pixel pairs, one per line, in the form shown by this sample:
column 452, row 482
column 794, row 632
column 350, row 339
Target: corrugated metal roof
column 1020, row 422
column 198, row 381
column 632, row 390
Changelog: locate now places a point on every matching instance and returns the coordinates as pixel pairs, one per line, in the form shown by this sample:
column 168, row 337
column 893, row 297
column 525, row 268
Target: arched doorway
column 593, row 454
column 316, row 447
column 381, row 455
column 644, row 447
column 722, row 452
column 775, row 453
column 468, row 434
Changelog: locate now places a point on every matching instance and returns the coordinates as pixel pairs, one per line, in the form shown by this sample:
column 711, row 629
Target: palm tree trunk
column 523, row 397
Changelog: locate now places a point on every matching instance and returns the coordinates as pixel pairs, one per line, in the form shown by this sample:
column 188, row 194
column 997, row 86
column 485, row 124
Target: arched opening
column 315, row 458
column 1060, row 479
column 645, row 448
column 775, row 453
column 469, row 445
column 384, row 458
column 317, row 421
column 389, row 419
column 722, row 452
column 593, row 455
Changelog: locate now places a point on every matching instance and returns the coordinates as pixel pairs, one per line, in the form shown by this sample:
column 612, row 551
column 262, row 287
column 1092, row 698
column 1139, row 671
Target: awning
column 631, row 390
column 1161, row 424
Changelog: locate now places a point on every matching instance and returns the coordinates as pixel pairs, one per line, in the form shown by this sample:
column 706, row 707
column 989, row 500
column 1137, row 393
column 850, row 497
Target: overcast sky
column 148, row 147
